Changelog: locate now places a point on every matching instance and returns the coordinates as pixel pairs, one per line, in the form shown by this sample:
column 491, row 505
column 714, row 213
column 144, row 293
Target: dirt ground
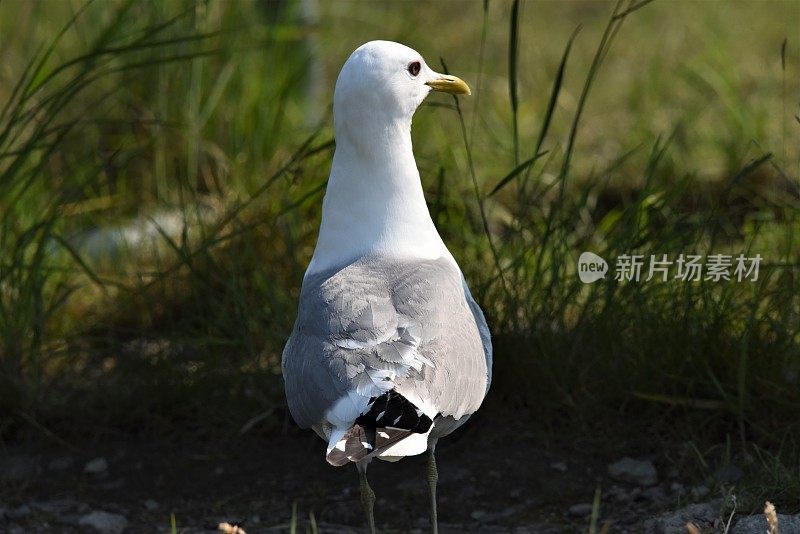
column 490, row 481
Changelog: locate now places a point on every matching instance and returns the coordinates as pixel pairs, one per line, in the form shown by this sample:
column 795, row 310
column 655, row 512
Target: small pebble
column 96, row 466
column 104, row 522
column 561, row 467
column 641, row 472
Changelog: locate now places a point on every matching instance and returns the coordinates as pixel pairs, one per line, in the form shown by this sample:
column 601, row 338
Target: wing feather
column 377, row 325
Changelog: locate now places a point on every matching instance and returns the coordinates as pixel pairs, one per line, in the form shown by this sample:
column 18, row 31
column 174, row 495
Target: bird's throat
column 374, row 205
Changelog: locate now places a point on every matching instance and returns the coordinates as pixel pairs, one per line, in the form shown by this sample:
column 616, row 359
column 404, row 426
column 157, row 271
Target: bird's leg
column 367, row 495
column 433, row 478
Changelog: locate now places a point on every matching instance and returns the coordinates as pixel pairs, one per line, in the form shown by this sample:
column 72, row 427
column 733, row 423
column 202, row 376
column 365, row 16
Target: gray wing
column 483, row 329
column 410, row 324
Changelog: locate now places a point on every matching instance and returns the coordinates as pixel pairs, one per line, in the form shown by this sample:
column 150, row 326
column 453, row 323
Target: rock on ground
column 104, row 522
column 641, row 472
column 96, row 466
column 702, row 514
column 757, row 524
column 561, row 467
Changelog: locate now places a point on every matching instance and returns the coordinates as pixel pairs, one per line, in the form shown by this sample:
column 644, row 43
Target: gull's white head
column 381, row 84
column 374, row 203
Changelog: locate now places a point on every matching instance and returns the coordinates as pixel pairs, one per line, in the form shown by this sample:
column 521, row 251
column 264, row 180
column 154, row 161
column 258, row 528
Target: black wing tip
column 390, row 418
column 393, row 410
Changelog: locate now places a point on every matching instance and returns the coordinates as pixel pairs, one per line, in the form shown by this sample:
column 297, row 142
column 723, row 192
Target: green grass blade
column 479, row 80
column 513, row 58
column 293, row 520
column 551, row 103
column 477, row 192
column 79, row 260
column 595, row 511
column 516, row 172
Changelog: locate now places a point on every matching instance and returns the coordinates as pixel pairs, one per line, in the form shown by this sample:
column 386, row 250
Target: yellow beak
column 449, row 84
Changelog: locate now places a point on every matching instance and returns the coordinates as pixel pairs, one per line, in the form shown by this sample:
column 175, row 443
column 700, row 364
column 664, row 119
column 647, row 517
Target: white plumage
column 389, row 351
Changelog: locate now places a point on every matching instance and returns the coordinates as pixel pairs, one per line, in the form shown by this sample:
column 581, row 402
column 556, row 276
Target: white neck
column 374, row 204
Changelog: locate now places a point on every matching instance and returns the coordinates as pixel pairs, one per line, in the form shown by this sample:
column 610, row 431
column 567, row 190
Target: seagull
column 389, row 351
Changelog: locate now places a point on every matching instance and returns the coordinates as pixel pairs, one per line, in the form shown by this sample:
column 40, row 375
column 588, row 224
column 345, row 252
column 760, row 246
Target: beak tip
column 449, row 84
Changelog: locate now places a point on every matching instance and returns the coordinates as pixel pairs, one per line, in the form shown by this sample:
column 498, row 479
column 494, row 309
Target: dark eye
column 414, row 68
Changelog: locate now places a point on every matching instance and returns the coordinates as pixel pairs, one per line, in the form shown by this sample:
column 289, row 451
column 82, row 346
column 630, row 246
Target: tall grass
column 713, row 352
column 633, row 326
column 45, row 175
column 91, row 160
column 160, row 191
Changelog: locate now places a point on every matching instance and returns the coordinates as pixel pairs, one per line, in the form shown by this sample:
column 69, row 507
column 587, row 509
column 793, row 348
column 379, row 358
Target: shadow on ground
column 491, row 480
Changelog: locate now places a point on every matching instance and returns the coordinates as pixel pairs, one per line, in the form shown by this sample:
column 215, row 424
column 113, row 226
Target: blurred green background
column 162, row 166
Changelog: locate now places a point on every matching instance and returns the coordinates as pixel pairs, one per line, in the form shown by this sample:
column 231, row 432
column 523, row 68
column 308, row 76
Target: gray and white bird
column 389, row 351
